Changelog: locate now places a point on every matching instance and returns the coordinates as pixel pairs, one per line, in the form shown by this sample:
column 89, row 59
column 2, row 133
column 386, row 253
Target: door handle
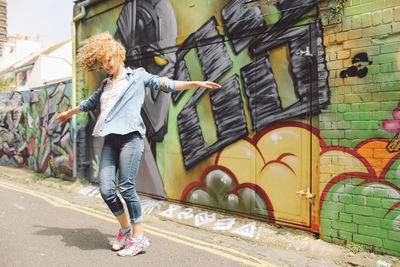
column 306, row 194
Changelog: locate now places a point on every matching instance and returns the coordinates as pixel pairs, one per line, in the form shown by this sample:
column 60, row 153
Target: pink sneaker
column 133, row 248
column 119, row 243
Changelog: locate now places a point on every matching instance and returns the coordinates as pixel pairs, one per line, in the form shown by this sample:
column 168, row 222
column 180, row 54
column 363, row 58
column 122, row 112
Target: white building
column 16, row 48
column 45, row 66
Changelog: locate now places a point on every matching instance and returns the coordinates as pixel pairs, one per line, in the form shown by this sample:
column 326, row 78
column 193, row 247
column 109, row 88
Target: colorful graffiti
column 246, row 58
column 284, row 139
column 393, row 126
column 277, row 160
column 361, row 199
column 260, row 84
column 139, row 24
column 29, row 134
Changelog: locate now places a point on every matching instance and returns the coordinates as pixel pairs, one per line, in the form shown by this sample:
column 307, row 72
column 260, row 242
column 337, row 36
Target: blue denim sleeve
column 92, row 102
column 158, row 83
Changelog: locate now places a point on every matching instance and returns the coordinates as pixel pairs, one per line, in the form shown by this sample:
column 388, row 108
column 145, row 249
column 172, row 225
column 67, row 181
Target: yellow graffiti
column 160, row 60
column 281, row 161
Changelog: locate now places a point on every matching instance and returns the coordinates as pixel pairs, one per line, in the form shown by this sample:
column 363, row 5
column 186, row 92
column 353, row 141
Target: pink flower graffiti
column 393, row 126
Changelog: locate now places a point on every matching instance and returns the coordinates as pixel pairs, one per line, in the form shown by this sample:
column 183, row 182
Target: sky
column 48, row 19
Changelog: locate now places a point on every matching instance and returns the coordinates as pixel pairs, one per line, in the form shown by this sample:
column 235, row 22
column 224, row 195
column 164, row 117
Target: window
column 21, row 78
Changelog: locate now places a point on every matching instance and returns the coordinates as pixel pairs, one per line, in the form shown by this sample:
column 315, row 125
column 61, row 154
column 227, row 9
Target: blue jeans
column 121, row 153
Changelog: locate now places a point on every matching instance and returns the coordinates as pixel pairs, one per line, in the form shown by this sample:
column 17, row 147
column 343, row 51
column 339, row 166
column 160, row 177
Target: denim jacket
column 125, row 116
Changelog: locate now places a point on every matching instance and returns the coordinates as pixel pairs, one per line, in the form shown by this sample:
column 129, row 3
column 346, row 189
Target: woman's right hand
column 63, row 116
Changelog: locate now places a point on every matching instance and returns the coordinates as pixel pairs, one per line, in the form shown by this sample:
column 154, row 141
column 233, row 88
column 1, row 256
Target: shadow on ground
column 82, row 238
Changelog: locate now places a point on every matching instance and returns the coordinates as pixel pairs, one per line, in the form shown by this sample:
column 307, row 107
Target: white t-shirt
column 111, row 93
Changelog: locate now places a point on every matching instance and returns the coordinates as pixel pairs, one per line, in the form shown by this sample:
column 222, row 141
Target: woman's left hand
column 208, row 84
column 183, row 85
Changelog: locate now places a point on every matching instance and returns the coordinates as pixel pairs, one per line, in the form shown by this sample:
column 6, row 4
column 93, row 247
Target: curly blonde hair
column 99, row 46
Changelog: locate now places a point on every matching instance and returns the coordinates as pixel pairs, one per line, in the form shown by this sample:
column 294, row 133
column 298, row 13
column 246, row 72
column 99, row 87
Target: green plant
column 357, row 248
column 84, row 181
column 331, row 10
column 339, row 5
column 51, row 186
column 63, row 177
column 40, row 176
column 7, row 84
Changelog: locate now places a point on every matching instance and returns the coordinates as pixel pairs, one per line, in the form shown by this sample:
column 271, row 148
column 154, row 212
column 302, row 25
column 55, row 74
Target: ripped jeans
column 121, row 153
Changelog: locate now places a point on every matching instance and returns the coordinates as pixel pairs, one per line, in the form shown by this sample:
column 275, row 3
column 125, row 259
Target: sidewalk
column 254, row 232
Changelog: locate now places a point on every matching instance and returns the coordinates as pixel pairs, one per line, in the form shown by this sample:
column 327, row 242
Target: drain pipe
column 75, row 19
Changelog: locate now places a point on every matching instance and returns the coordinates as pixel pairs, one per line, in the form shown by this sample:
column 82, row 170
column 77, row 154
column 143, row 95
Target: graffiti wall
column 359, row 165
column 29, row 134
column 304, row 130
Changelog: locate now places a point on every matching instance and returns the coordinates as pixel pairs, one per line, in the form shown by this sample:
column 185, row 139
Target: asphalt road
column 37, row 229
column 47, row 223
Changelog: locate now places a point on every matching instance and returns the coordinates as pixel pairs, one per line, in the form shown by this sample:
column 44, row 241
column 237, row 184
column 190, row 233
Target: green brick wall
column 362, row 205
column 372, row 27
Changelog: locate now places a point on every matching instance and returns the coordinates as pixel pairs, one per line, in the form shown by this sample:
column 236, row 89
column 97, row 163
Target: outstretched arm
column 86, row 105
column 181, row 85
column 63, row 116
column 167, row 85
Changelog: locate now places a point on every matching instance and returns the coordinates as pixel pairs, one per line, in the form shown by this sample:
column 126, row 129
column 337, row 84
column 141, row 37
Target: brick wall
column 360, row 188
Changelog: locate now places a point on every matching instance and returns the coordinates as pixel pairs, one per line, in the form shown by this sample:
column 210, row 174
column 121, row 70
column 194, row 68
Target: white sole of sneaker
column 145, row 245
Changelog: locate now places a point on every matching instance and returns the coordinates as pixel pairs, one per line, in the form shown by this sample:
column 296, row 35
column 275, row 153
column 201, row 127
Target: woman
column 120, row 98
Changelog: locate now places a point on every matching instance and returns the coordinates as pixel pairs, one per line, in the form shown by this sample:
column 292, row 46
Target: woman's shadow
column 83, row 238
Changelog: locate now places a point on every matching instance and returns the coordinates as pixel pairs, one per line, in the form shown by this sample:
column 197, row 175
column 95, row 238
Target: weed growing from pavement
column 51, row 186
column 357, row 248
column 63, row 189
column 63, row 177
column 40, row 176
column 84, row 181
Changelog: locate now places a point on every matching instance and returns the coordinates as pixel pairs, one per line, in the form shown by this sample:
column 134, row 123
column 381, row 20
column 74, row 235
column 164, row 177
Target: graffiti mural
column 227, row 184
column 300, row 132
column 258, row 78
column 358, row 69
column 139, row 24
column 393, row 126
column 29, row 134
column 362, row 202
column 192, row 134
